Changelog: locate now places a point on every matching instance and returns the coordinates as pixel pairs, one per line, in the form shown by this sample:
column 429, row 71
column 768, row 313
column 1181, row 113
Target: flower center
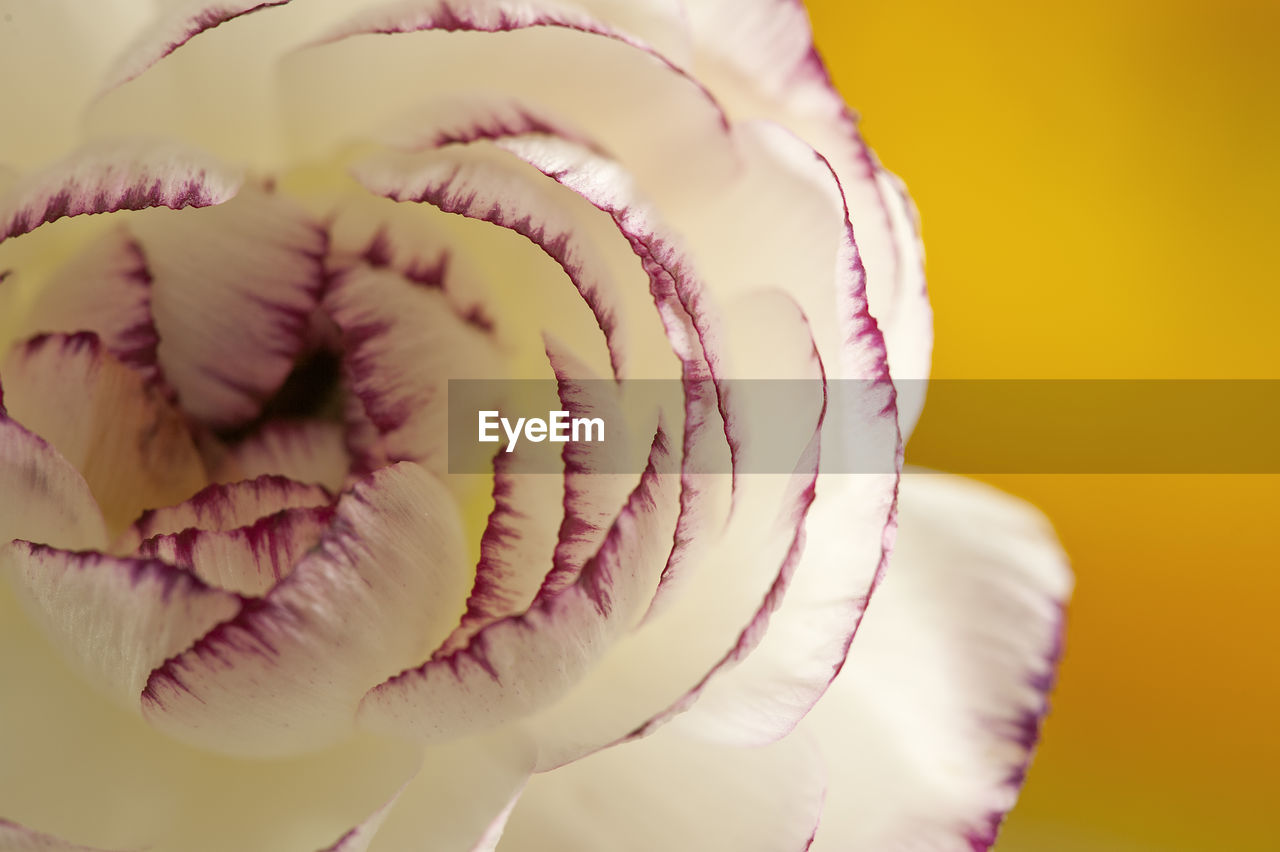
column 313, row 390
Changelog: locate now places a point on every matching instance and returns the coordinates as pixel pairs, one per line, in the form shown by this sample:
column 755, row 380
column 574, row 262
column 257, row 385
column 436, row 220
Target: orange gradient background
column 1098, row 184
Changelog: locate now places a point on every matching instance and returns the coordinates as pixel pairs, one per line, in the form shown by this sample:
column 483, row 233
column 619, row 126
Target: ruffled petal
column 110, row 177
column 115, row 618
column 386, row 584
column 518, row 664
column 233, row 291
column 224, row 507
column 132, row 447
column 937, row 710
column 249, row 560
column 674, row 793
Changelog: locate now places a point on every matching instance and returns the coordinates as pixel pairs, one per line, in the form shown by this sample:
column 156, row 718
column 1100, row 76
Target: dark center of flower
column 313, row 390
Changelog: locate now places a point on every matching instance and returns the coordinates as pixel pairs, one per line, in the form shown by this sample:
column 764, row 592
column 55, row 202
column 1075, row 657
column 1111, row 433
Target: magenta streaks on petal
column 592, row 497
column 383, row 586
column 224, row 507
column 234, row 291
column 105, row 289
column 248, row 560
column 116, row 618
column 519, row 536
column 125, row 176
column 494, row 16
column 453, row 182
column 174, row 31
column 520, row 663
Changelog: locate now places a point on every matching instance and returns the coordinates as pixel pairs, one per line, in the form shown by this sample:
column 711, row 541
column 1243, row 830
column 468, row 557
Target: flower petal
column 517, row 545
column 119, row 176
column 181, row 22
column 105, row 289
column 115, row 618
column 134, row 788
column 848, row 536
column 459, row 800
column 622, row 92
column 515, row 665
column 42, row 497
column 132, row 447
column 403, row 343
column 758, row 57
column 674, row 793
column 233, row 291
column 308, row 451
column 488, row 186
column 46, row 98
column 223, row 507
column 592, row 496
column 249, row 560
column 386, row 584
column 938, row 707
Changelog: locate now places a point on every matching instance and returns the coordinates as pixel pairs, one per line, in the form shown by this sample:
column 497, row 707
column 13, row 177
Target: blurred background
column 1098, row 183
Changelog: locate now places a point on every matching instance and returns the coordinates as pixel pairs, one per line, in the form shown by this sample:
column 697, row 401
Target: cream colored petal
column 930, row 726
column 672, row 793
column 130, row 444
column 43, row 498
column 78, row 767
column 53, row 55
column 385, row 585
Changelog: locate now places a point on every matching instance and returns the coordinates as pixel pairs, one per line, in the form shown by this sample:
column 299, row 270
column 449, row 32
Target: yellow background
column 1098, row 184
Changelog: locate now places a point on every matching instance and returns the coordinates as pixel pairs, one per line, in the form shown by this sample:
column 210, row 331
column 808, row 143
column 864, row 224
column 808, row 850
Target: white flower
column 246, row 604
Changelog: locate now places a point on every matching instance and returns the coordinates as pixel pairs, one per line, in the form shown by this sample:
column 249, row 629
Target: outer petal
column 758, row 57
column 52, row 56
column 116, row 619
column 936, row 712
column 182, row 21
column 121, row 176
column 459, row 800
column 132, row 447
column 673, row 793
column 848, row 537
column 133, row 788
column 385, row 585
column 628, row 98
